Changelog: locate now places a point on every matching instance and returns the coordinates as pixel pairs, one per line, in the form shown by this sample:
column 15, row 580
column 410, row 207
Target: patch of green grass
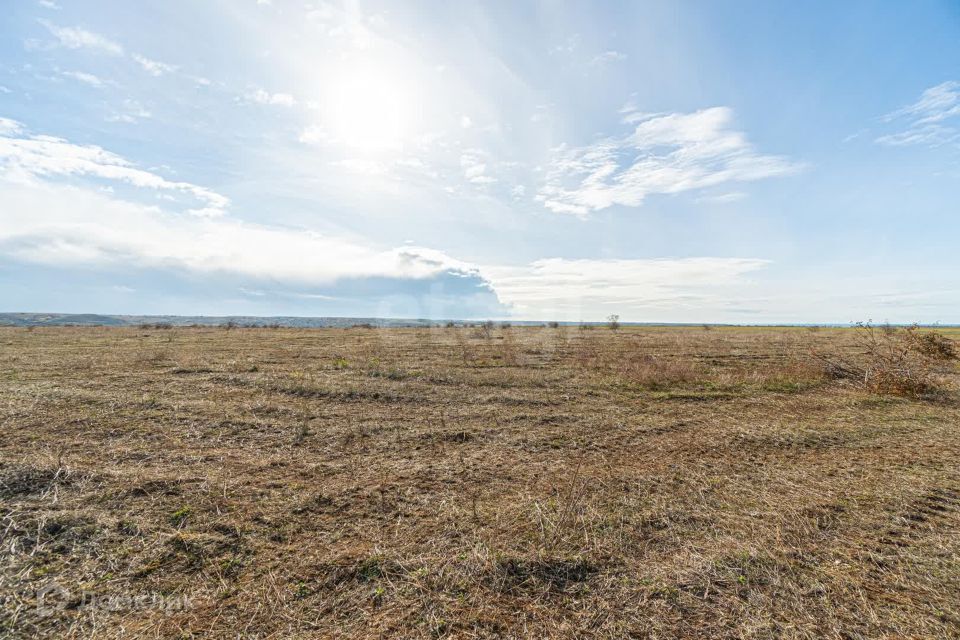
column 180, row 516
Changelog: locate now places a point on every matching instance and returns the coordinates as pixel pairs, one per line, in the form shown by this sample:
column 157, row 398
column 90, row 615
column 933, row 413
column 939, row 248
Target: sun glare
column 367, row 108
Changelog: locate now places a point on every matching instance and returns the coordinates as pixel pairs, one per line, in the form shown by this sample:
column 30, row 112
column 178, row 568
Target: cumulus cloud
column 65, row 225
column 592, row 288
column 79, row 38
column 665, row 153
column 49, row 222
column 58, row 225
column 26, row 158
column 9, row 127
column 928, row 121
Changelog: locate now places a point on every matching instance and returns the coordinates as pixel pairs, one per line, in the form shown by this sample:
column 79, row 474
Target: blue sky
column 666, row 161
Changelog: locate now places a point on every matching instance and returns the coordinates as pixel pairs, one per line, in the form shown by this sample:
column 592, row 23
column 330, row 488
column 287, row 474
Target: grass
column 478, row 482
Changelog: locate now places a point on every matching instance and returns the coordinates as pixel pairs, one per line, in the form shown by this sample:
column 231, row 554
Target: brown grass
column 473, row 483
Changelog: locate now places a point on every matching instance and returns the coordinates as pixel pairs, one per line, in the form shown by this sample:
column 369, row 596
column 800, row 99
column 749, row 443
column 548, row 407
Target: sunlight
column 367, row 107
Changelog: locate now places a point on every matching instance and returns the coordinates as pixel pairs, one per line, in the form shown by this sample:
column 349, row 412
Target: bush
column 486, row 329
column 932, row 344
column 891, row 361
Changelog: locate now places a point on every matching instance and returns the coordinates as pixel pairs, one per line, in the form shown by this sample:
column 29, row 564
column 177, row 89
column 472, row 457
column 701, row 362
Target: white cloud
column 723, row 198
column 466, row 122
column 153, row 67
column 86, row 78
column 64, row 226
column 346, row 23
column 10, row 127
column 664, row 154
column 261, row 96
column 592, row 289
column 132, row 112
column 26, row 158
column 925, row 119
column 608, row 57
column 61, row 225
column 935, row 104
column 48, row 4
column 79, row 38
column 474, row 165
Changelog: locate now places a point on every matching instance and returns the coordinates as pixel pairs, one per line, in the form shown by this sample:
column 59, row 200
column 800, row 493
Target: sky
column 723, row 161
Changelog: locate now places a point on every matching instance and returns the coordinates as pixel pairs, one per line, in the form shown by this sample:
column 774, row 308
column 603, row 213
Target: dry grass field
column 524, row 482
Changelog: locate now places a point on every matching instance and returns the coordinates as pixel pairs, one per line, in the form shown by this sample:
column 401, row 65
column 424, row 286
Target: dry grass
column 473, row 482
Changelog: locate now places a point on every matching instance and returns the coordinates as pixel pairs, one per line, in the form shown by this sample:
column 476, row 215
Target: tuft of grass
column 178, row 517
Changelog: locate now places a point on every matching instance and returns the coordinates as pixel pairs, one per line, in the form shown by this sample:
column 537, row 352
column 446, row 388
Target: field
column 517, row 482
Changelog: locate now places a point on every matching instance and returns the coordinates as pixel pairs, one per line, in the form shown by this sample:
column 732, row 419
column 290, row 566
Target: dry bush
column 891, row 361
column 486, row 330
column 931, row 344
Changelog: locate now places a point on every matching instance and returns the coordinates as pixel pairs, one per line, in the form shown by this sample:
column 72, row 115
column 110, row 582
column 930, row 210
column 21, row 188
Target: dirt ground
column 523, row 482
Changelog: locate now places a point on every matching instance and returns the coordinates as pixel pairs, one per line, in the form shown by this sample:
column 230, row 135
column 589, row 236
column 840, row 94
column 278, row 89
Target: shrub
column 613, row 321
column 890, row 360
column 486, row 329
column 931, row 344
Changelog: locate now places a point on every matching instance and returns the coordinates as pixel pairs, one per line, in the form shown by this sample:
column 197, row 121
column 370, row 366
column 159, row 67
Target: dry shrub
column 931, row 344
column 891, row 361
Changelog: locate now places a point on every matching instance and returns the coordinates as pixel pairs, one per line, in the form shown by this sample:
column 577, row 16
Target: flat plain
column 471, row 482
